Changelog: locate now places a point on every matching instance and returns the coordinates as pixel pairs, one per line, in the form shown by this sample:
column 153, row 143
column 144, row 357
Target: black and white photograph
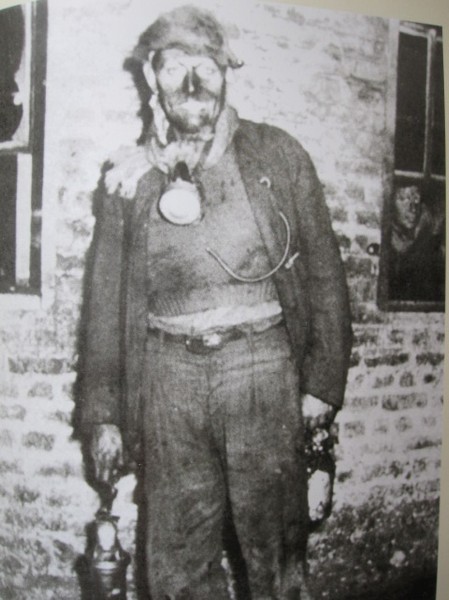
column 222, row 295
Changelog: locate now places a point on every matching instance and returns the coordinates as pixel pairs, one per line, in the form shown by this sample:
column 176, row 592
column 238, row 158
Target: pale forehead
column 177, row 55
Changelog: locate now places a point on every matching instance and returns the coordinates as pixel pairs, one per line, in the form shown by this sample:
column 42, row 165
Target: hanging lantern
column 108, row 561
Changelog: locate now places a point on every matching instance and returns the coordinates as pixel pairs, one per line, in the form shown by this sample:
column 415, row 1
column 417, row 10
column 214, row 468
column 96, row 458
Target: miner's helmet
column 194, row 30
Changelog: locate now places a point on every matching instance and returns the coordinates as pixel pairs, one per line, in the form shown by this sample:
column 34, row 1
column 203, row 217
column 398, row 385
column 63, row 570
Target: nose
column 191, row 82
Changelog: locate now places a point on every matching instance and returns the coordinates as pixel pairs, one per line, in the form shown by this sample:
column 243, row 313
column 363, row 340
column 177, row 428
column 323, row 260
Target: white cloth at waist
column 259, row 317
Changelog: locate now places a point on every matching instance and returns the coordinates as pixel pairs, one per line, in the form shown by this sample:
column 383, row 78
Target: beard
column 192, row 113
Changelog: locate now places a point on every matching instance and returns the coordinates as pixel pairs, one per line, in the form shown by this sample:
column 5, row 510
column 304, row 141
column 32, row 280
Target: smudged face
column 407, row 207
column 191, row 89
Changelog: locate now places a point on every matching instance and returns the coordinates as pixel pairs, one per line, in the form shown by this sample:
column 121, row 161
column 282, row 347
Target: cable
column 230, row 272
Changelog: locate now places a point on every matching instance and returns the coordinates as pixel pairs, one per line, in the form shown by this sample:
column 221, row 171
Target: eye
column 172, row 69
column 206, row 70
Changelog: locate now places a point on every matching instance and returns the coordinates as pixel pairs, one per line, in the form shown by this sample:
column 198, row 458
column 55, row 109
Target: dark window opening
column 411, row 103
column 8, row 189
column 12, row 34
column 22, row 104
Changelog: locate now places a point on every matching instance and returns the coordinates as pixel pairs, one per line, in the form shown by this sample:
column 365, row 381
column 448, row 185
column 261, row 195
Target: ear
column 149, row 73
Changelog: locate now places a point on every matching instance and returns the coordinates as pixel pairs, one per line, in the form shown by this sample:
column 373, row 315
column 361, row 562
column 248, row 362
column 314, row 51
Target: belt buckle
column 205, row 344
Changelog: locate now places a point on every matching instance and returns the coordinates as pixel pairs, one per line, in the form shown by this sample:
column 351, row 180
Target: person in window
column 218, row 325
column 417, row 249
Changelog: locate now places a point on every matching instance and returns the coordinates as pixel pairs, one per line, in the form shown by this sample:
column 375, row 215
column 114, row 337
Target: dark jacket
column 278, row 176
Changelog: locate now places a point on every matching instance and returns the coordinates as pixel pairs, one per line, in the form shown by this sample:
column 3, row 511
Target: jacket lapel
column 149, row 190
column 257, row 181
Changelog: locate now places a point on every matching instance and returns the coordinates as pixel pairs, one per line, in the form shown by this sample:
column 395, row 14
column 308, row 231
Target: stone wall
column 323, row 77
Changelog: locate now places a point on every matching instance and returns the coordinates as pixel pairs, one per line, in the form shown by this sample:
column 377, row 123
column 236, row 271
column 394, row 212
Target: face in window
column 191, row 89
column 407, row 208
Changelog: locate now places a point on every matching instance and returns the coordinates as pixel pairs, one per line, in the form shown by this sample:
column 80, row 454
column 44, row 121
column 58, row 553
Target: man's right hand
column 106, row 450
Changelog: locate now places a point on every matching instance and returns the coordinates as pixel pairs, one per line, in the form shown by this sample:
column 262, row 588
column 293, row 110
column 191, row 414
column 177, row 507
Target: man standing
column 218, row 326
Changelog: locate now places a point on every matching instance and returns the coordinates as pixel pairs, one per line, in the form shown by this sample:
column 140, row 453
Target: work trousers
column 224, row 431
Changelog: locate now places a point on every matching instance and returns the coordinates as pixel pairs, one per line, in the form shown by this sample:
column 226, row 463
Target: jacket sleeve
column 100, row 370
column 325, row 363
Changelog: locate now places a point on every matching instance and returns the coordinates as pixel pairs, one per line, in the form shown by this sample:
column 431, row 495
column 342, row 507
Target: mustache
column 200, row 95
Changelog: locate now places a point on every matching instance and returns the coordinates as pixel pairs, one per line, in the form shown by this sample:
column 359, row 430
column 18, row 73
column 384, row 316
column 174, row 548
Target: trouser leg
column 265, row 466
column 184, row 483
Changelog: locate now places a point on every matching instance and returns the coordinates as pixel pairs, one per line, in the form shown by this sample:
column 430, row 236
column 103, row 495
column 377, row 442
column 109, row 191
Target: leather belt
column 209, row 342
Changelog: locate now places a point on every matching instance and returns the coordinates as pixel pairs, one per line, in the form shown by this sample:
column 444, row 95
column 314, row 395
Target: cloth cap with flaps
column 193, row 30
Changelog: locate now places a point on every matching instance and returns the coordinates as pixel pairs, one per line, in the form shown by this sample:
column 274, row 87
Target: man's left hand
column 316, row 413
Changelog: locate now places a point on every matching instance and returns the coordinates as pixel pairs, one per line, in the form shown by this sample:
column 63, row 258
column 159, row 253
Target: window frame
column 29, row 151
column 391, row 174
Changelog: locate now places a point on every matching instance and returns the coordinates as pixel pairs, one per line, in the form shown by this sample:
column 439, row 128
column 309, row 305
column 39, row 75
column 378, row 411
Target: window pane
column 8, row 190
column 411, row 103
column 417, row 243
column 12, row 39
column 438, row 160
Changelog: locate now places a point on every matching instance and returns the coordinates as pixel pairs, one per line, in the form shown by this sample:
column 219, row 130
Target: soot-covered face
column 191, row 89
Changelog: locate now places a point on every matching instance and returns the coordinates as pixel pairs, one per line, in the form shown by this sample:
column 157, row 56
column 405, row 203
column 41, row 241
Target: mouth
column 410, row 221
column 194, row 105
column 192, row 113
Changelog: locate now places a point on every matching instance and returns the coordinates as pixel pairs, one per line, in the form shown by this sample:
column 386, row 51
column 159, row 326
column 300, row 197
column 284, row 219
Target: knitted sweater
column 184, row 277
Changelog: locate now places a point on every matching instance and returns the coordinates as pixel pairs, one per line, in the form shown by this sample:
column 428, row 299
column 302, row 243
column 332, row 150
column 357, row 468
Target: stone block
column 68, row 389
column 25, row 495
column 344, row 476
column 63, row 470
column 8, row 390
column 383, row 382
column 61, row 416
column 362, row 402
column 355, row 192
column 419, row 466
column 391, row 359
column 403, row 424
column 366, row 336
column 404, row 401
column 396, row 336
column 339, row 214
column 45, row 366
column 69, row 263
column 368, row 219
column 15, row 412
column 381, row 426
column 356, row 266
column 428, row 487
column 407, row 379
column 40, row 441
column 423, row 442
column 6, row 438
column 430, row 358
column 354, row 429
column 41, row 389
column 7, row 466
column 429, row 421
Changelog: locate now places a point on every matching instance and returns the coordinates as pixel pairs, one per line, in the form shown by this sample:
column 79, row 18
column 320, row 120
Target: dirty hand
column 316, row 413
column 106, row 450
